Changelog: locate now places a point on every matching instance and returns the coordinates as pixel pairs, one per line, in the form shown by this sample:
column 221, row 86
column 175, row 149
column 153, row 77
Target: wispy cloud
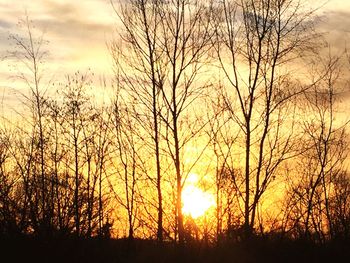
column 336, row 28
column 77, row 30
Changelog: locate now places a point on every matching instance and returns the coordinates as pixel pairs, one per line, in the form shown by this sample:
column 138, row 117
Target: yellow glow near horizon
column 196, row 202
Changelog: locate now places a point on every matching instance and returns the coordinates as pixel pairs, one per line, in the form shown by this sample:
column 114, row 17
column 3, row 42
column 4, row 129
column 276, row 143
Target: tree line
column 246, row 92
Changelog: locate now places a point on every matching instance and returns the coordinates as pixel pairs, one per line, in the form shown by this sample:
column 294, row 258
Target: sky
column 78, row 31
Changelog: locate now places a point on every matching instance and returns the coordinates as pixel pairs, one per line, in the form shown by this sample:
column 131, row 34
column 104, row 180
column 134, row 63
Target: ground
column 68, row 249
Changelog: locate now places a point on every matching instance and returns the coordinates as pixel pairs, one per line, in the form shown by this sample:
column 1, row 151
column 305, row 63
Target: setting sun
column 196, row 202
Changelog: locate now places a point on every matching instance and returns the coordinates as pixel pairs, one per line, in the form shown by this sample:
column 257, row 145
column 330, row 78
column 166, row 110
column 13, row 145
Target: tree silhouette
column 256, row 41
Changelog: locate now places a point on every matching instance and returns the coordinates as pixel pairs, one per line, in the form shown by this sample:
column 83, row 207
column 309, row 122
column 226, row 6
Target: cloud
column 336, row 28
column 4, row 24
column 75, row 29
column 84, row 22
column 58, row 9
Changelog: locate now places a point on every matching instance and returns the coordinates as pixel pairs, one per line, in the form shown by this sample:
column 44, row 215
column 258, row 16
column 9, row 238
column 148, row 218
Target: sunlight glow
column 196, row 202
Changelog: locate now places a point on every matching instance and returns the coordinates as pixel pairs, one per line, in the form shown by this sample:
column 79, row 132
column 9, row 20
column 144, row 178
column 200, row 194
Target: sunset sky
column 78, row 31
column 200, row 129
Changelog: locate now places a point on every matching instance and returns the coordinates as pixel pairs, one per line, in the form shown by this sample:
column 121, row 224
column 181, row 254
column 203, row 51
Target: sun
column 196, row 202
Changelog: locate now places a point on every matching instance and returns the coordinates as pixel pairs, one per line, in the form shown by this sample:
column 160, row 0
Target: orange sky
column 78, row 31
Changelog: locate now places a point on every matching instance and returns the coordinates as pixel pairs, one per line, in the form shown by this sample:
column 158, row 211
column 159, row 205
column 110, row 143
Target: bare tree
column 185, row 40
column 139, row 66
column 9, row 223
column 169, row 43
column 340, row 206
column 322, row 161
column 227, row 180
column 77, row 115
column 256, row 41
column 30, row 52
column 102, row 149
column 127, row 147
column 50, row 147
